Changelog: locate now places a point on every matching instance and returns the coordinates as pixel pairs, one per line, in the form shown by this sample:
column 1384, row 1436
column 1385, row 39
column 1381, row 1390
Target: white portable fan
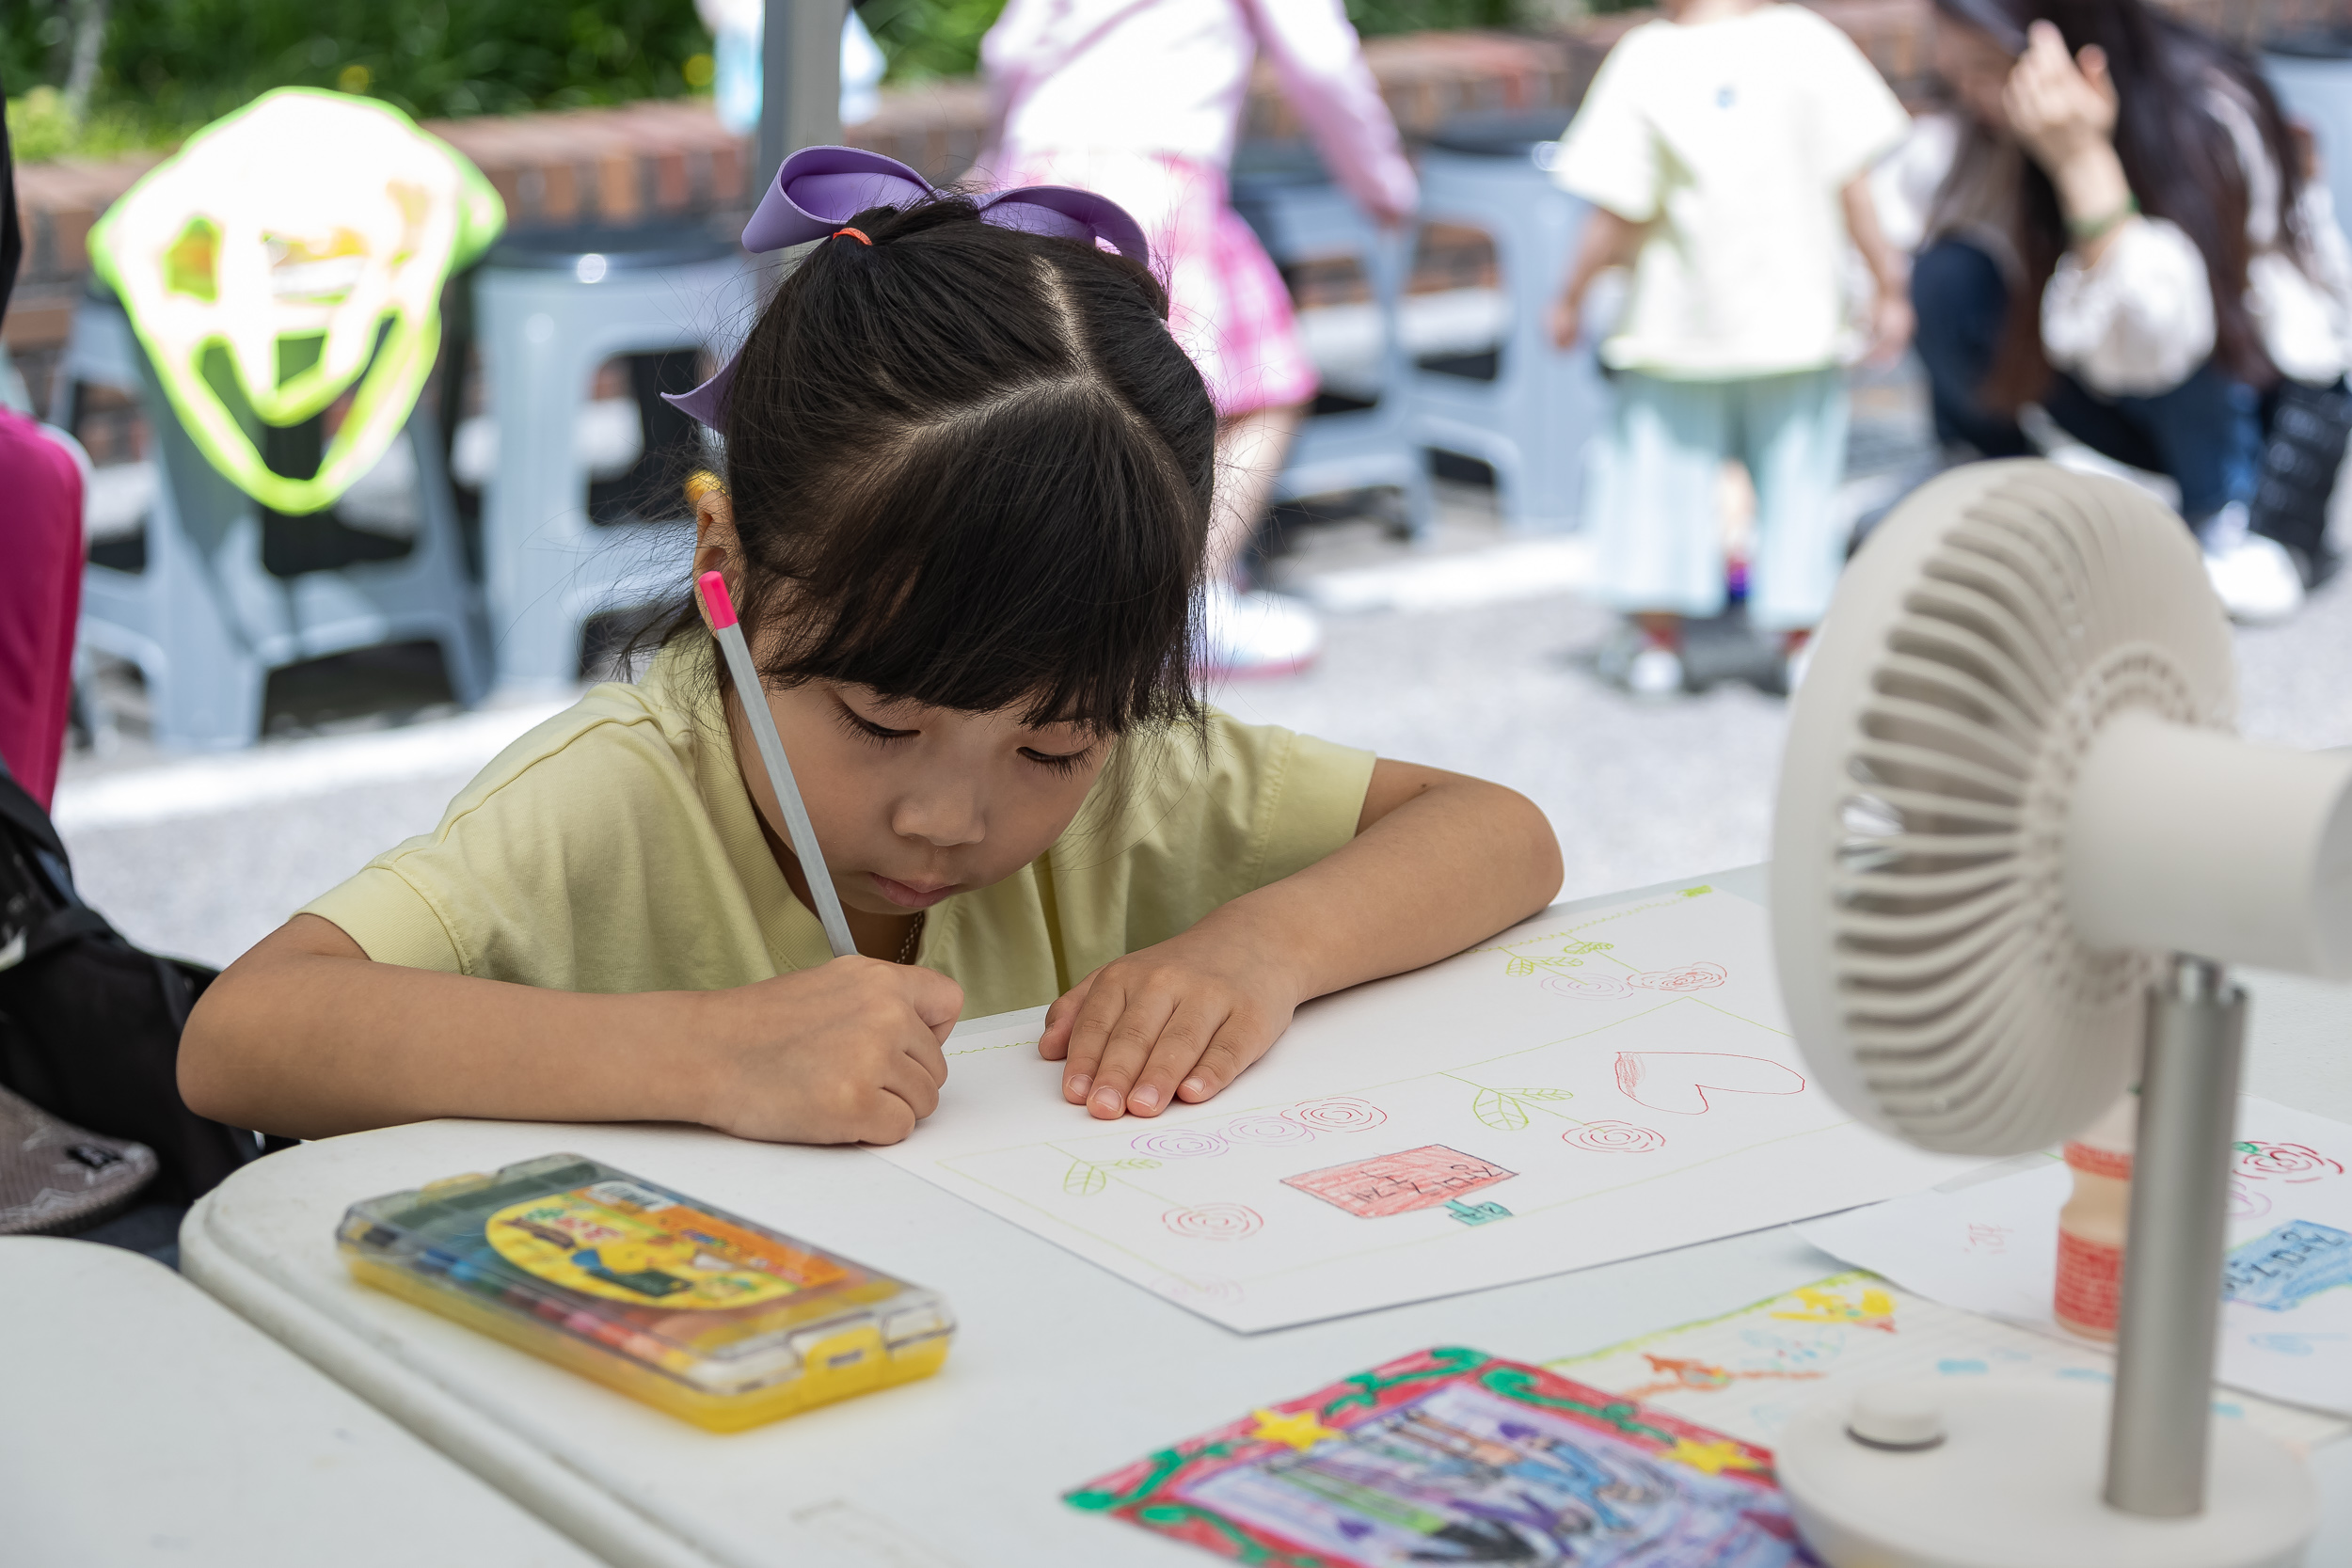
column 2016, row 840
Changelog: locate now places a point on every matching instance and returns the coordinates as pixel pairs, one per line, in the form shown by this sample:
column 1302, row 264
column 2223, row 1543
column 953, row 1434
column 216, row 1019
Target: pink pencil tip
column 722, row 608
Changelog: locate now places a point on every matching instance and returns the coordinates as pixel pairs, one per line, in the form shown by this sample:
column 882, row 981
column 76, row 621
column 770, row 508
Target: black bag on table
column 89, row 1025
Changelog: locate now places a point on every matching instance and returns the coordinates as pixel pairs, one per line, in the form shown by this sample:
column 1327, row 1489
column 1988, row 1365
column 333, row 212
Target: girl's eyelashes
column 1066, row 762
column 865, row 728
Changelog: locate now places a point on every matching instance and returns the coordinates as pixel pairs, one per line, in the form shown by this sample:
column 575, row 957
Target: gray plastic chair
column 1301, row 214
column 548, row 310
column 1532, row 421
column 206, row 621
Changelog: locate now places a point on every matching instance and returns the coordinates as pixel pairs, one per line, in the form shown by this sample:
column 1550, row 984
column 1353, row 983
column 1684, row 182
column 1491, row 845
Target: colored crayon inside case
column 715, row 1319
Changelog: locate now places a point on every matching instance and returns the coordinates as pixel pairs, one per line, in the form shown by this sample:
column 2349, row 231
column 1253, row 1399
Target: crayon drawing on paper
column 1587, row 1087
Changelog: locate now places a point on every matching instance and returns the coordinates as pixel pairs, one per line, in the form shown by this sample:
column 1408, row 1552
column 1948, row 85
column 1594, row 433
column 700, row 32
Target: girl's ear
column 715, row 546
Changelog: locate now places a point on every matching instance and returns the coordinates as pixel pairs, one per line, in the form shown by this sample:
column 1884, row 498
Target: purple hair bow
column 821, row 188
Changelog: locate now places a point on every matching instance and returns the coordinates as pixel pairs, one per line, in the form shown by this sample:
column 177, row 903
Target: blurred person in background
column 1141, row 99
column 1727, row 153
column 40, row 560
column 2118, row 226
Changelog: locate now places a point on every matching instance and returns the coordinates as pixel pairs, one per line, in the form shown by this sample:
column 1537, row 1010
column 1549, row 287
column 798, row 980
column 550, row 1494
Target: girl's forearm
column 1887, row 269
column 305, row 1036
column 2095, row 194
column 1454, row 863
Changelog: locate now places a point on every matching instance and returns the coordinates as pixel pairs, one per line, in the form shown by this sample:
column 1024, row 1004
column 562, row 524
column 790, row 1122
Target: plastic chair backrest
column 297, row 249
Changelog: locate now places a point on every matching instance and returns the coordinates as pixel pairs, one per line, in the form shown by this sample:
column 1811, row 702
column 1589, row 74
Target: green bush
column 173, row 64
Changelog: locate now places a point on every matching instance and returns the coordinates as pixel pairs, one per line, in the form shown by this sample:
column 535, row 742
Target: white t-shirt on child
column 1731, row 140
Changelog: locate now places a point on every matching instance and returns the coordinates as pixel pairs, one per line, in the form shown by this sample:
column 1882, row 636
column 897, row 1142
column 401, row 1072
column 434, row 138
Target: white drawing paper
column 1588, row 1087
column 2286, row 1319
column 1747, row 1373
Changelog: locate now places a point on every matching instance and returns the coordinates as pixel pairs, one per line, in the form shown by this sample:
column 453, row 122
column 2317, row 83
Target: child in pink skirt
column 1141, row 99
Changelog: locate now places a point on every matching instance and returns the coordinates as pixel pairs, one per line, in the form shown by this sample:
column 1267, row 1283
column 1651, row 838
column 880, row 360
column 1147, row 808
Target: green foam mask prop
column 290, row 253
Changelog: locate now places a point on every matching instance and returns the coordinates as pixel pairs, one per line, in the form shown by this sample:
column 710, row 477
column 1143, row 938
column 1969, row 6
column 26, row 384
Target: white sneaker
column 1654, row 672
column 1257, row 634
column 2254, row 576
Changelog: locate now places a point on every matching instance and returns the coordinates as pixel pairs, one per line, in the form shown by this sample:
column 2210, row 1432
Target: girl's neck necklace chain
column 915, row 938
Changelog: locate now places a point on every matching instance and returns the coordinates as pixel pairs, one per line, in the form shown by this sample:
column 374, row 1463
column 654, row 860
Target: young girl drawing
column 966, row 488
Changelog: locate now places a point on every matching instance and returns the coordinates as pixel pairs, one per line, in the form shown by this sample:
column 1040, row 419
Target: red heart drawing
column 1678, row 1081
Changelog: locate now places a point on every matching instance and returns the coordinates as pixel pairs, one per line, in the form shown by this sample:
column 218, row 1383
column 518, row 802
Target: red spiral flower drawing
column 1586, row 986
column 1698, row 976
column 1211, row 1290
column 1613, row 1137
column 2261, row 1162
column 2245, row 1203
column 1177, row 1143
column 1214, row 1222
column 1266, row 1128
column 1339, row 1114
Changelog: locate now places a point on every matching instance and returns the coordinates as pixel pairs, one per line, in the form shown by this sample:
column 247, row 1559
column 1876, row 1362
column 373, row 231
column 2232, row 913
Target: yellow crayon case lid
column 714, row 1318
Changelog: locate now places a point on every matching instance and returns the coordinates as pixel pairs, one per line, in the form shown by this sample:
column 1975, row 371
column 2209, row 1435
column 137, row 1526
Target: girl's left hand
column 1176, row 1020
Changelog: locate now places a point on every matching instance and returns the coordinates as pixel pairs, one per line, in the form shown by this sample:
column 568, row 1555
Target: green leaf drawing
column 1502, row 1110
column 1517, row 967
column 1086, row 1177
column 1498, row 1111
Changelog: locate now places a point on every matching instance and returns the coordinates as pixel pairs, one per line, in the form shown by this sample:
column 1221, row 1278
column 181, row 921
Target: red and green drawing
column 1450, row 1455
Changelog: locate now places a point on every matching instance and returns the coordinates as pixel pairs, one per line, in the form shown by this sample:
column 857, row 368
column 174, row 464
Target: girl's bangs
column 1042, row 563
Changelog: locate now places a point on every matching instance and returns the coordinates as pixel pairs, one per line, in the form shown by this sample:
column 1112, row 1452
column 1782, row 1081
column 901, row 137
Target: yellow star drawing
column 1712, row 1458
column 1301, row 1431
column 1877, row 1309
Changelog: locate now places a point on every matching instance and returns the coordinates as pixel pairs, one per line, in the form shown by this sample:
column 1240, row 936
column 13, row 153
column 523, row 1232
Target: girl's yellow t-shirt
column 614, row 849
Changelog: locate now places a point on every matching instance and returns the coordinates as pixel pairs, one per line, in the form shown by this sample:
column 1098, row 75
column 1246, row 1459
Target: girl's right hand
column 2062, row 107
column 849, row 1052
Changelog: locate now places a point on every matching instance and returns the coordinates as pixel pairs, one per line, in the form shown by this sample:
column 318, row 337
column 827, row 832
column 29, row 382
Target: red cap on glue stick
column 715, row 599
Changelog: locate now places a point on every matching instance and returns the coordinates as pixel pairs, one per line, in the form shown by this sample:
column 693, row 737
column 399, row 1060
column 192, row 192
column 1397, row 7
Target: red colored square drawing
column 1398, row 1183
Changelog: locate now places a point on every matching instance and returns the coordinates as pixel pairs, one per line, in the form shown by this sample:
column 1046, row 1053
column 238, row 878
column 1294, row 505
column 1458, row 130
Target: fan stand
column 1994, row 1476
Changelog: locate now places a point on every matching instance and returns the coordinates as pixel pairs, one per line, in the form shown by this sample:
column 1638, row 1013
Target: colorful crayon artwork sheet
column 2286, row 1313
column 1453, row 1456
column 1746, row 1372
column 1587, row 1087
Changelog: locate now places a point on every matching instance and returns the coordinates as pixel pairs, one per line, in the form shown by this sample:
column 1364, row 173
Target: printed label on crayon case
column 602, row 1242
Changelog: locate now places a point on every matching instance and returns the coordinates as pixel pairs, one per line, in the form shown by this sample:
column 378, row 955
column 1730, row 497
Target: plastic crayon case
column 696, row 1311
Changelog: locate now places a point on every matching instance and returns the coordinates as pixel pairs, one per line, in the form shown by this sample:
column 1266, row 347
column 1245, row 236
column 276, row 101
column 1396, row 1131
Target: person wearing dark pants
column 2206, row 433
column 2115, row 224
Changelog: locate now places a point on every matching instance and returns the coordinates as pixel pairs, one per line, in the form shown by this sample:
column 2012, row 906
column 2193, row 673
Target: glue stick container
column 2091, row 1226
column 713, row 1318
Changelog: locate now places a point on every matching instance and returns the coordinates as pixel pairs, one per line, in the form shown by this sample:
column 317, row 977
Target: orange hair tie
column 857, row 234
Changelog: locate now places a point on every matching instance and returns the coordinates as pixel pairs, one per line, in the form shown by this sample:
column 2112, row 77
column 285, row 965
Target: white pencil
column 755, row 699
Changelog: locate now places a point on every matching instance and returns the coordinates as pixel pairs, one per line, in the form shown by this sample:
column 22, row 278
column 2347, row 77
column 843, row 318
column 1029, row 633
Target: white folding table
column 1061, row 1371
column 140, row 1422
